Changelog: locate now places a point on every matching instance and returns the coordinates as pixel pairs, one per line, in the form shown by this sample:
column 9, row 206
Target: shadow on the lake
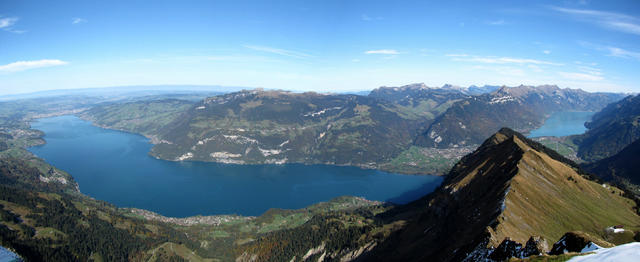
column 417, row 193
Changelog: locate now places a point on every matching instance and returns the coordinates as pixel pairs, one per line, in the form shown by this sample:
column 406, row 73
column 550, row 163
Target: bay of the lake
column 564, row 123
column 115, row 166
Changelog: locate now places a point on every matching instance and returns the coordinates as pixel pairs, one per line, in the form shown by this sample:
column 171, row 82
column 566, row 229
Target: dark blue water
column 115, row 166
column 563, row 124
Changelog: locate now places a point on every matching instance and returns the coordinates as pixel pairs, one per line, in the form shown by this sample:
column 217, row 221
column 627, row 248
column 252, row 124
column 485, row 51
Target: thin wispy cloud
column 585, row 73
column 456, row 55
column 278, row 51
column 535, row 68
column 499, row 60
column 581, row 76
column 610, row 20
column 365, row 17
column 546, row 52
column 612, row 50
column 7, row 24
column 27, row 65
column 382, row 52
column 619, row 52
column 78, row 20
column 502, row 70
column 497, row 22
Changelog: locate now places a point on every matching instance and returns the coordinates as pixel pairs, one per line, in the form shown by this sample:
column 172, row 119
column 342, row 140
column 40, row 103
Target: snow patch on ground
column 312, row 114
column 614, row 230
column 436, row 138
column 276, row 161
column 622, row 253
column 224, row 155
column 313, row 251
column 57, row 179
column 501, row 100
column 185, row 156
column 268, row 152
column 241, row 139
column 590, row 247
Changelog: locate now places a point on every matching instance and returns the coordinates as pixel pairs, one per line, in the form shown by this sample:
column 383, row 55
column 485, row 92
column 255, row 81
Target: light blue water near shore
column 563, row 124
column 115, row 166
column 8, row 256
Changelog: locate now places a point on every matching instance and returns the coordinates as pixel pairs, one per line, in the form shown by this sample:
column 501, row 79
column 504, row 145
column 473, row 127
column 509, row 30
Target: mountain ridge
column 493, row 194
column 521, row 108
column 610, row 130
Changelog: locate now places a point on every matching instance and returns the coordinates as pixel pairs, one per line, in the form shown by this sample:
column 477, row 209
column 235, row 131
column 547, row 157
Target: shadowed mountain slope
column 522, row 108
column 625, row 165
column 610, row 130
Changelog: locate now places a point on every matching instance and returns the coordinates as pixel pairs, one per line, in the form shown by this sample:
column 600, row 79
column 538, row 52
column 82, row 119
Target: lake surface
column 7, row 256
column 114, row 166
column 563, row 124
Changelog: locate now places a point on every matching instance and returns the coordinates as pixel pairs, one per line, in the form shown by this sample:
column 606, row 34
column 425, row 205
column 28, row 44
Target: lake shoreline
column 295, row 176
column 154, row 141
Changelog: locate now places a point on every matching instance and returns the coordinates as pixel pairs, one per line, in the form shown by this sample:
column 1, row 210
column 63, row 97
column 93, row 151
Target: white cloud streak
column 78, row 20
column 367, row 18
column 619, row 52
column 497, row 22
column 498, row 60
column 610, row 20
column 278, row 51
column 7, row 24
column 612, row 50
column 27, row 65
column 581, row 76
column 382, row 52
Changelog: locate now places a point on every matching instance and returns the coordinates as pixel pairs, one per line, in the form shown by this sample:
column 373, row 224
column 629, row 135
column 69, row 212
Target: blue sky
column 319, row 45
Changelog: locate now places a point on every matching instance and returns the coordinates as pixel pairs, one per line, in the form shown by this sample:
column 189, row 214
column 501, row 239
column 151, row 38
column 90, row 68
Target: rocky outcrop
column 577, row 242
column 536, row 245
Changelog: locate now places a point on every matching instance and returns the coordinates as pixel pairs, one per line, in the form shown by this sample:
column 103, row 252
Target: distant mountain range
column 522, row 108
column 410, row 129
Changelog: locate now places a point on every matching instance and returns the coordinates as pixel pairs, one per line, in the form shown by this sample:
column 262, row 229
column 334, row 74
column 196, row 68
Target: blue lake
column 115, row 166
column 563, row 124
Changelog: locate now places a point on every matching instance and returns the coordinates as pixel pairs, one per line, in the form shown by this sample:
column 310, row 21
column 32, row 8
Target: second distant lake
column 115, row 166
column 563, row 124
